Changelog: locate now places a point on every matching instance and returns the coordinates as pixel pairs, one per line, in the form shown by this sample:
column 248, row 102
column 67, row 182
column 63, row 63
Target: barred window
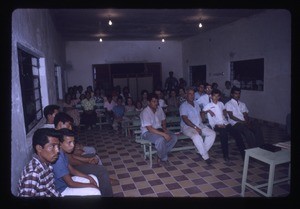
column 30, row 87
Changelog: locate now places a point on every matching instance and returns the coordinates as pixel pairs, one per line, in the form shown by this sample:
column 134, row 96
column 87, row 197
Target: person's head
column 50, row 111
column 201, row 87
column 138, row 104
column 68, row 98
column 235, row 93
column 215, row 95
column 109, row 98
column 158, row 92
column 190, row 94
column 144, row 94
column 63, row 120
column 45, row 143
column 171, row 73
column 227, row 84
column 181, row 91
column 80, row 89
column 119, row 100
column 152, row 100
column 129, row 101
column 87, row 95
column 67, row 140
column 82, row 97
column 208, row 88
column 173, row 93
column 214, row 85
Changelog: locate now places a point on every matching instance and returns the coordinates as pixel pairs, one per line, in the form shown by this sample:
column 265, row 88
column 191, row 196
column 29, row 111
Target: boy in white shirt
column 216, row 112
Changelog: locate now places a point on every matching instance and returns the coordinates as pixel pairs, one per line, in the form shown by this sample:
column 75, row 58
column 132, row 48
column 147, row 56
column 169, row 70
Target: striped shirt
column 37, row 180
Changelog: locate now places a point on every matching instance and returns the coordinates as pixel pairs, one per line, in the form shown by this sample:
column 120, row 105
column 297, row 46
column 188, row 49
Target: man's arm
column 187, row 121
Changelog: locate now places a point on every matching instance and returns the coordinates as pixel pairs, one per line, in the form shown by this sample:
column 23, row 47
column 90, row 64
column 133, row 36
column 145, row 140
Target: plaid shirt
column 37, row 180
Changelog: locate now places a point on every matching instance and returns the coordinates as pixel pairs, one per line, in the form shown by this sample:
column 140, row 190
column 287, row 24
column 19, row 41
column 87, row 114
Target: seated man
column 192, row 126
column 216, row 113
column 153, row 127
column 240, row 121
column 37, row 177
column 68, row 180
column 85, row 163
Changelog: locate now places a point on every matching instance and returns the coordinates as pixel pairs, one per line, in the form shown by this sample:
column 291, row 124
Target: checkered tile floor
column 187, row 176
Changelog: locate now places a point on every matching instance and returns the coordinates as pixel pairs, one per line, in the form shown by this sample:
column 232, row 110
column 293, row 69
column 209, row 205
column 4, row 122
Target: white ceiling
column 142, row 24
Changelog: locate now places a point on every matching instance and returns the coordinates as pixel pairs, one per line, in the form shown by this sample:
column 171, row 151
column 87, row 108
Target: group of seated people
column 202, row 114
column 61, row 165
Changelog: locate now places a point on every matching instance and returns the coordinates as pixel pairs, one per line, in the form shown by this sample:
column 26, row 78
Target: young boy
column 68, row 180
column 216, row 113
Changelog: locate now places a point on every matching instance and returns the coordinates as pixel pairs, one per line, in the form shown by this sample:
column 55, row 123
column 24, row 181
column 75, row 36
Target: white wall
column 81, row 55
column 266, row 35
column 34, row 30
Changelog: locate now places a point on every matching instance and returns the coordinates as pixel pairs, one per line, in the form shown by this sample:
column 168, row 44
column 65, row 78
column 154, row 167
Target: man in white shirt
column 216, row 113
column 240, row 121
column 153, row 127
column 192, row 126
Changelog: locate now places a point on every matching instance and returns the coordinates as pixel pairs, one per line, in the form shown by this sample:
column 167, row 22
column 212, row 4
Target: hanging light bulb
column 100, row 40
column 200, row 25
column 163, row 40
column 110, row 22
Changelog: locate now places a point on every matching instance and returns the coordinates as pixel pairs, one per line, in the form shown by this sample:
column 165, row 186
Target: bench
column 149, row 149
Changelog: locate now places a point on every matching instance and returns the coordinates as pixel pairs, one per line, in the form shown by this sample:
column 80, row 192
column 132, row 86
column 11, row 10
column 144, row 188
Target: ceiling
column 141, row 24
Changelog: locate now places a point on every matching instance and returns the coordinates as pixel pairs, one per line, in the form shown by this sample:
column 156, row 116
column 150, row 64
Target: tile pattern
column 187, row 176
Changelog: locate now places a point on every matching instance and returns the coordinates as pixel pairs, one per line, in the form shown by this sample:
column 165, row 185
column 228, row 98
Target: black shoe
column 208, row 161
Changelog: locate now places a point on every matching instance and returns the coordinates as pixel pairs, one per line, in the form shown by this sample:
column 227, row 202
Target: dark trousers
column 89, row 118
column 224, row 132
column 102, row 175
column 252, row 133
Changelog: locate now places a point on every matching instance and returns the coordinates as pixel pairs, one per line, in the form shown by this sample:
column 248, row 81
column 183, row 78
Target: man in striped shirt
column 37, row 178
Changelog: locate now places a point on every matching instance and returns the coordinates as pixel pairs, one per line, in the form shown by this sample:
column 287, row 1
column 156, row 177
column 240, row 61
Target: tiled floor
column 187, row 176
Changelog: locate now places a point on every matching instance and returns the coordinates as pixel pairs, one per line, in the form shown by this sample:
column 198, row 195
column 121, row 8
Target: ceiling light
column 110, row 22
column 100, row 40
column 200, row 25
column 163, row 40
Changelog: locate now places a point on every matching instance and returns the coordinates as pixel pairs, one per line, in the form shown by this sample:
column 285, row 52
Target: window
column 248, row 74
column 30, row 87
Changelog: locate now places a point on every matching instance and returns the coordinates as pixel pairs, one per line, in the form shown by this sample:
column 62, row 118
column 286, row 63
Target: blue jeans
column 162, row 146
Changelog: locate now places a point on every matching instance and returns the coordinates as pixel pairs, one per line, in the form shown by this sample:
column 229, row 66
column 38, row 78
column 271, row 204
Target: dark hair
column 151, row 96
column 62, row 117
column 215, row 91
column 234, row 88
column 49, row 109
column 40, row 137
column 144, row 91
column 65, row 132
